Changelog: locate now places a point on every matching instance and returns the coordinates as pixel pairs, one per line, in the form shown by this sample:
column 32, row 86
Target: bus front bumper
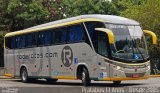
column 125, row 78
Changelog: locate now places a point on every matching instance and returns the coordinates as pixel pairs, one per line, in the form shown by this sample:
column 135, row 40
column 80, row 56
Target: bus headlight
column 118, row 67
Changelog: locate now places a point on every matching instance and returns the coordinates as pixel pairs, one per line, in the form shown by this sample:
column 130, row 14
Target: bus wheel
column 116, row 82
column 49, row 80
column 85, row 77
column 24, row 75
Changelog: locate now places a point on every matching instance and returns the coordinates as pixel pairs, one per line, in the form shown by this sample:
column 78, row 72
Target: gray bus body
column 66, row 60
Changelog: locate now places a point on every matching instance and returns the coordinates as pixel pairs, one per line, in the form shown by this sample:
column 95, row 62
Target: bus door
column 103, row 43
column 9, row 61
column 102, row 50
column 9, row 56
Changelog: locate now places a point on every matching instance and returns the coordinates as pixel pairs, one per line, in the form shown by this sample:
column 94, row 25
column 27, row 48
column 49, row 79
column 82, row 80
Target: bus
column 87, row 47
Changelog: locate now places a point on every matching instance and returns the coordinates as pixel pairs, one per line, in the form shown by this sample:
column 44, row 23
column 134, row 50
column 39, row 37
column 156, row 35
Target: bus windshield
column 129, row 42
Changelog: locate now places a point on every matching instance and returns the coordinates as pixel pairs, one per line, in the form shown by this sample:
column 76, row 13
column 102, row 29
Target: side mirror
column 109, row 33
column 152, row 34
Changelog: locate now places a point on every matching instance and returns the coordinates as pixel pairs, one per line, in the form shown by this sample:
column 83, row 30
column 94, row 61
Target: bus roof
column 83, row 18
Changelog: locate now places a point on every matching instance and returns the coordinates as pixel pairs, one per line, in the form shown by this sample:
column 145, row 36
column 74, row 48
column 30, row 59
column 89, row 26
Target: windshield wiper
column 134, row 45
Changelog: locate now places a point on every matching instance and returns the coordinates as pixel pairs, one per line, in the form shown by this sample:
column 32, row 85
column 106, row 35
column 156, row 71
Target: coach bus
column 87, row 47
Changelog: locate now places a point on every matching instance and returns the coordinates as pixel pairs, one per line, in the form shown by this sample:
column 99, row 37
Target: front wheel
column 24, row 75
column 116, row 82
column 85, row 77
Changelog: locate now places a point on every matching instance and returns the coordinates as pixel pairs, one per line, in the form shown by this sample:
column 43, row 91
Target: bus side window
column 92, row 33
column 64, row 37
column 34, row 39
column 102, row 42
column 29, row 40
column 41, row 38
column 76, row 33
column 22, row 41
column 53, row 36
column 48, row 38
column 7, row 42
column 60, row 35
column 17, row 40
column 12, row 46
column 10, row 42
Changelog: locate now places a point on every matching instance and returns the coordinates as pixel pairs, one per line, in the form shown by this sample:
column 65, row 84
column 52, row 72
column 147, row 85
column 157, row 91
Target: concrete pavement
column 150, row 85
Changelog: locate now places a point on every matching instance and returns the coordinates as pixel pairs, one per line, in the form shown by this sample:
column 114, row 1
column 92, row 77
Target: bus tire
column 85, row 77
column 116, row 82
column 24, row 75
column 50, row 80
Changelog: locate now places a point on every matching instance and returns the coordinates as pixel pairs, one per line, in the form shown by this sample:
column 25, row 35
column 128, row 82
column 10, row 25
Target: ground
column 150, row 85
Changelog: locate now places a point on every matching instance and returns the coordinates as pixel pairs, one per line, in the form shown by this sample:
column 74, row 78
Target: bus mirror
column 109, row 33
column 152, row 34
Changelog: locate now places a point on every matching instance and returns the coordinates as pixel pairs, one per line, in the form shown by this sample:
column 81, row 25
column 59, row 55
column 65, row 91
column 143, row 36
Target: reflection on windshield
column 129, row 42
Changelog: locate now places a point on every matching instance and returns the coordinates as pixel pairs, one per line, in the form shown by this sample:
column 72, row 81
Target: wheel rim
column 24, row 75
column 83, row 76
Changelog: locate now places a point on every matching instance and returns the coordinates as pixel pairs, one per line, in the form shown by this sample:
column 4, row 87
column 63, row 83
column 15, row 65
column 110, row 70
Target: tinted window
column 10, row 42
column 76, row 33
column 53, row 36
column 48, row 37
column 31, row 40
column 12, row 46
column 20, row 41
column 60, row 35
column 34, row 39
column 17, row 39
column 91, row 30
column 41, row 38
column 91, row 26
column 102, row 41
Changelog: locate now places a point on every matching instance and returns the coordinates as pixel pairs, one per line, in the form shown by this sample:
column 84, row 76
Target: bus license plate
column 135, row 75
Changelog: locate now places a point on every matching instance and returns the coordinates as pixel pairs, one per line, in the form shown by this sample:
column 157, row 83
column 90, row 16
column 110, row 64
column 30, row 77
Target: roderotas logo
column 67, row 56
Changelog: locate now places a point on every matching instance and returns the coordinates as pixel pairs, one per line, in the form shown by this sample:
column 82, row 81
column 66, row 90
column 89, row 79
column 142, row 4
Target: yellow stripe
column 106, row 79
column 154, row 75
column 8, row 75
column 65, row 77
column 53, row 26
column 121, row 79
column 154, row 37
